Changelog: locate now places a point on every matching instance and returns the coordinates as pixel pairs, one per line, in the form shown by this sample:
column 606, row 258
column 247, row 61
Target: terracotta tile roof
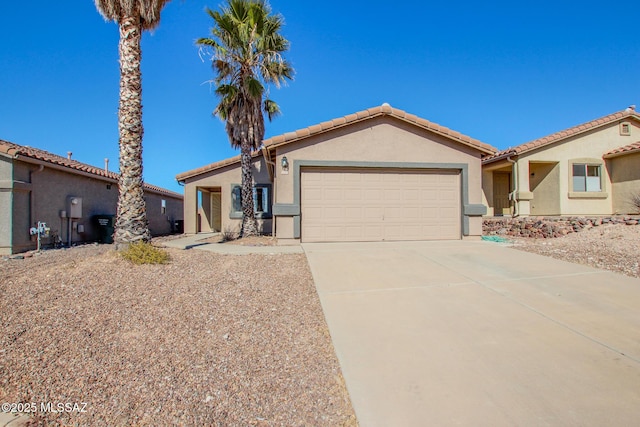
column 383, row 110
column 629, row 113
column 18, row 151
column 621, row 151
column 213, row 166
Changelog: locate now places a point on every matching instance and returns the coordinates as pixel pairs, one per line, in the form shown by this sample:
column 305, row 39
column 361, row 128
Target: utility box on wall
column 75, row 207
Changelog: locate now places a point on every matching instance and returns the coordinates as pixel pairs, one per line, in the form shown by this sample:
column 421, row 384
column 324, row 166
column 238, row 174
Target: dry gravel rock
column 206, row 340
column 610, row 247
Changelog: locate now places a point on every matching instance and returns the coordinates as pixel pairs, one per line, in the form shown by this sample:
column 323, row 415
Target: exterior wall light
column 285, row 164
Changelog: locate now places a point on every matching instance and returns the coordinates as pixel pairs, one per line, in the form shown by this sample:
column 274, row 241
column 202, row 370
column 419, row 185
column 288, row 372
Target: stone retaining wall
column 546, row 227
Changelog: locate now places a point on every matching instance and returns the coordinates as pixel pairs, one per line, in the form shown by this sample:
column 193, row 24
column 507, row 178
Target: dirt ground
column 610, row 247
column 207, row 339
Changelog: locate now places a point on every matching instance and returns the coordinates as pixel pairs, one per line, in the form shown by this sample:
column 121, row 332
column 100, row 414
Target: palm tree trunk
column 249, row 223
column 131, row 222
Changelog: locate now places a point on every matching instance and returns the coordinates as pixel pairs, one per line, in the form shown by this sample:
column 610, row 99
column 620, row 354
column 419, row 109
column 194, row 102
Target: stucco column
column 524, row 194
column 190, row 208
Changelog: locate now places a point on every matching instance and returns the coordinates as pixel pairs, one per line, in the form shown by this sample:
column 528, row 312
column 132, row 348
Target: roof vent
column 69, row 154
column 106, row 164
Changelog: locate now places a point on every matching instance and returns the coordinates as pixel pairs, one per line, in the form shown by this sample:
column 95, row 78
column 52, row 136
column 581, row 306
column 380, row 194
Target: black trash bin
column 105, row 225
column 179, row 226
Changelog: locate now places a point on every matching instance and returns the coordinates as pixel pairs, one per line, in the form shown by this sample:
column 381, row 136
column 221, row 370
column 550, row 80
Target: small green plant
column 145, row 253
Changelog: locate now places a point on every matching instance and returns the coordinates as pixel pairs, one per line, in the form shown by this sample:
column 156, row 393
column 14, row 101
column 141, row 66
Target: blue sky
column 501, row 72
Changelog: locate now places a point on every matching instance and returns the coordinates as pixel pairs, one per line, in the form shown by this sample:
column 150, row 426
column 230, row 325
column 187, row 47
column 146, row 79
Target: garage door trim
column 293, row 209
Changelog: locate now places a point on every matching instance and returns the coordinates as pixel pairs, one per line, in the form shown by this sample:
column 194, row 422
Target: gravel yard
column 610, row 247
column 205, row 340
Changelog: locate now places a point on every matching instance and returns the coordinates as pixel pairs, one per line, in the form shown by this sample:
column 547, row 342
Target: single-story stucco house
column 375, row 175
column 589, row 169
column 67, row 195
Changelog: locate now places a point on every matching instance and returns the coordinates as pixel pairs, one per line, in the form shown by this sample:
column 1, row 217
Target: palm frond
column 247, row 56
column 147, row 10
column 271, row 109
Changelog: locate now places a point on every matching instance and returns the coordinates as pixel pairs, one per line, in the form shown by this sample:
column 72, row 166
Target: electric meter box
column 75, row 207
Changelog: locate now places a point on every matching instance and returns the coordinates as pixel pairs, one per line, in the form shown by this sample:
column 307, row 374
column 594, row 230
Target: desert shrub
column 145, row 253
column 229, row 234
column 635, row 201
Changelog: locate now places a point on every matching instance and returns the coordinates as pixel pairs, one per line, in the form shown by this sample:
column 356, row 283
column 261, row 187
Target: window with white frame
column 163, row 207
column 586, row 177
column 261, row 200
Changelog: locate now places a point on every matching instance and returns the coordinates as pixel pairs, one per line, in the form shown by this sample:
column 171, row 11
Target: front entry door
column 501, row 190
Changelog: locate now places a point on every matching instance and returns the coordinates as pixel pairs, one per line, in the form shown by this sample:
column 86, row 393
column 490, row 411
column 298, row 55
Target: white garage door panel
column 357, row 205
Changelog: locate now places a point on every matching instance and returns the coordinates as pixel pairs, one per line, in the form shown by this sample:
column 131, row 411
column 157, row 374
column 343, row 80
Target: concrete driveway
column 476, row 333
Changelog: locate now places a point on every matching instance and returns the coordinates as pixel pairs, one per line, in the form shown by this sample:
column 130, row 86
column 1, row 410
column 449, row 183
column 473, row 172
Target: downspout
column 512, row 195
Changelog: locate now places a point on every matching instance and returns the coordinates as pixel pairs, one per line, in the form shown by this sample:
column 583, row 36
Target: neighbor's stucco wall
column 544, row 183
column 48, row 193
column 52, row 190
column 223, row 179
column 591, row 145
column 6, row 201
column 162, row 222
column 383, row 139
column 625, row 182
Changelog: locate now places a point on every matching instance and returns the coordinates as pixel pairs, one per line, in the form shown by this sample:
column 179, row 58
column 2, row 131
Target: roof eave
column 28, row 159
column 500, row 157
column 621, row 153
column 182, row 177
column 284, row 140
column 627, row 115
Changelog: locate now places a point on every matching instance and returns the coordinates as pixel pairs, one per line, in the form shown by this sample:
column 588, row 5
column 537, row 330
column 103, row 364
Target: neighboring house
column 36, row 185
column 589, row 169
column 379, row 174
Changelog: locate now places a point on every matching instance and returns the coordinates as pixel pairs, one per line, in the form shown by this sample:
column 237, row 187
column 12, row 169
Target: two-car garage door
column 342, row 205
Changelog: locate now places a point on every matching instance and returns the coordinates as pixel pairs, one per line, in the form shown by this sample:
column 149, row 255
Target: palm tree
column 247, row 56
column 132, row 17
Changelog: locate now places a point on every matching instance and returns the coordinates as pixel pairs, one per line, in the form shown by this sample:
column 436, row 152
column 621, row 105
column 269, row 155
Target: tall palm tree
column 132, row 17
column 247, row 56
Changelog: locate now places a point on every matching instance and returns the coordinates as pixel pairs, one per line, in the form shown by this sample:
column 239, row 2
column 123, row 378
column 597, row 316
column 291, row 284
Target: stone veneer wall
column 547, row 227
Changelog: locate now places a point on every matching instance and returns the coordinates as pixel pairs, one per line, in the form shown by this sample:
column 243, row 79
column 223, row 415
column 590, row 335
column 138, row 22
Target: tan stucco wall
column 49, row 192
column 6, row 184
column 544, row 183
column 625, row 177
column 162, row 223
column 382, row 139
column 378, row 140
column 223, row 178
column 591, row 145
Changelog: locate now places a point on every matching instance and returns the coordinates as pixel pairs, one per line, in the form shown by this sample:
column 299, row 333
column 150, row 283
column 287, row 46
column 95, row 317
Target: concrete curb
column 13, row 419
column 196, row 241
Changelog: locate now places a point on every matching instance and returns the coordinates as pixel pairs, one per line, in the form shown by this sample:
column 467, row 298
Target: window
column 163, row 207
column 625, row 129
column 236, row 199
column 261, row 201
column 586, row 178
